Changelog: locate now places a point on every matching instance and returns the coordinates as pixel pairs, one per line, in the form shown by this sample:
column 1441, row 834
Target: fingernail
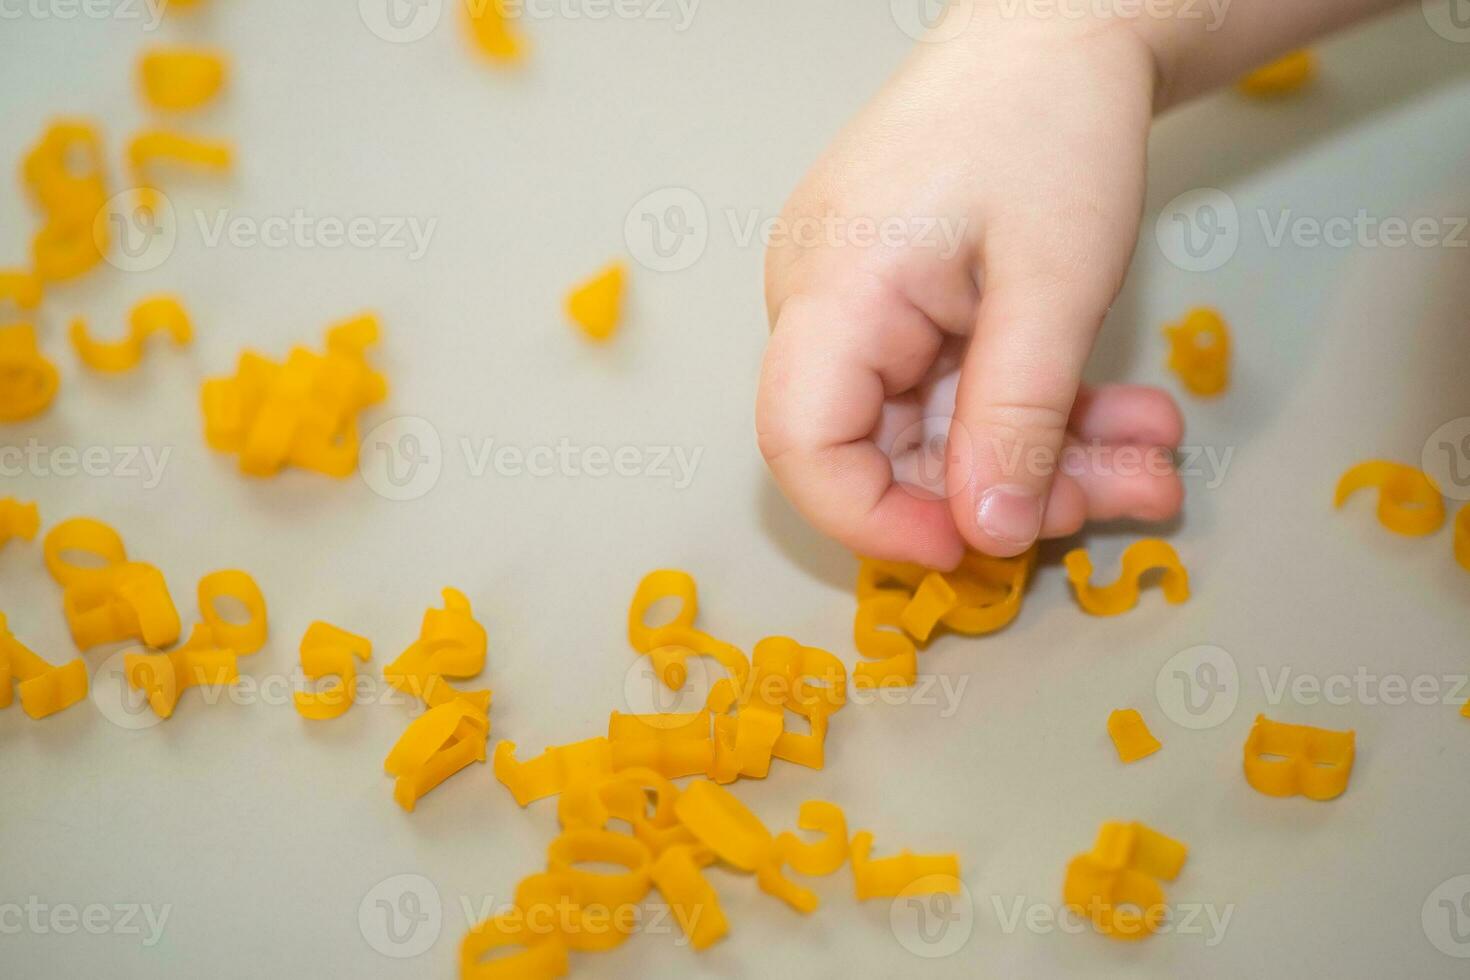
column 1010, row 513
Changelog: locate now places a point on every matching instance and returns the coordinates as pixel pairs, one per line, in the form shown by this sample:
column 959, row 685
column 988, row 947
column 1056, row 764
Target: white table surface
column 270, row 840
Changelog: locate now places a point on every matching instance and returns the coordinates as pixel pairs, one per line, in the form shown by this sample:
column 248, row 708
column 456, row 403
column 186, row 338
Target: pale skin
column 1028, row 134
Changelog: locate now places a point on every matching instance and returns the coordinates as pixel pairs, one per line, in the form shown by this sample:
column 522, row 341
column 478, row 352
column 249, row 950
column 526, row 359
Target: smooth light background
column 269, row 837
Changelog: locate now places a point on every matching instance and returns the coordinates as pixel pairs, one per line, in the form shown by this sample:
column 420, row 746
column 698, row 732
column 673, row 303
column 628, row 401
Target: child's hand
column 1026, row 142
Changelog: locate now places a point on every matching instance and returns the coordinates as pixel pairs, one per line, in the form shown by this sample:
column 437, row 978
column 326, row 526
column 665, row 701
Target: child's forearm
column 1224, row 39
column 1197, row 45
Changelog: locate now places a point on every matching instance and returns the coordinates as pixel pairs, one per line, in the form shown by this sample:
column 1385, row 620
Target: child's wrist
column 1134, row 27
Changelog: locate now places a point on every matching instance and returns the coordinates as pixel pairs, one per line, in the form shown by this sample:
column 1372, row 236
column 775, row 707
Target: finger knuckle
column 1018, row 438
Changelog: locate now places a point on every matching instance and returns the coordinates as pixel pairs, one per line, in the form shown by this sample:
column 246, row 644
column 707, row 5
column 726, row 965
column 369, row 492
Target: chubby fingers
column 1117, row 461
column 833, row 359
column 1015, row 399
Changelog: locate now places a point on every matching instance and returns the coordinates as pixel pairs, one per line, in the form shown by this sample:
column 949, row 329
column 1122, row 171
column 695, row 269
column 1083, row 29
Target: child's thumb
column 1038, row 317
